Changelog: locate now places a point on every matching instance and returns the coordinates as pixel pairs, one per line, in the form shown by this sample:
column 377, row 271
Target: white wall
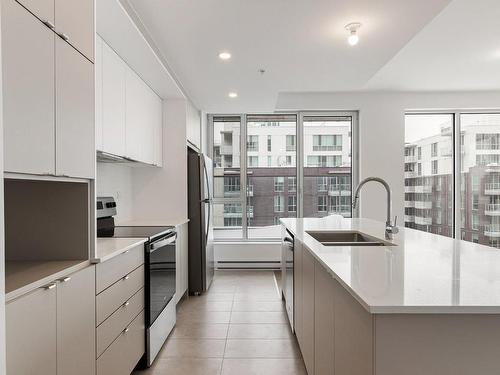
column 381, row 122
column 116, row 180
column 193, row 127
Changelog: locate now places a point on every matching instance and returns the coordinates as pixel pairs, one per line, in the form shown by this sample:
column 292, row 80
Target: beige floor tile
column 184, row 366
column 257, row 296
column 275, row 306
column 200, row 316
column 193, row 348
column 260, row 331
column 218, row 296
column 203, row 304
column 200, row 331
column 280, row 366
column 257, row 317
column 261, row 349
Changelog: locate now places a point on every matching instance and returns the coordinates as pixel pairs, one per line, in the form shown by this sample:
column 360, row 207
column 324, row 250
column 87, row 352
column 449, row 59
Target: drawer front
column 118, row 293
column 110, row 271
column 111, row 328
column 124, row 353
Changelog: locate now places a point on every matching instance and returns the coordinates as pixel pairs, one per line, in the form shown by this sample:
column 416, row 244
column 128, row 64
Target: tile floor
column 239, row 327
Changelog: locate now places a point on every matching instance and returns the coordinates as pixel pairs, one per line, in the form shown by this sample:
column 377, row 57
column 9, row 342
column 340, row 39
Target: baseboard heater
column 248, row 264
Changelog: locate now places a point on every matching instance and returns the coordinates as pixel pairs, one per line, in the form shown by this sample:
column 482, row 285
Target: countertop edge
column 118, row 251
column 153, row 223
column 45, row 280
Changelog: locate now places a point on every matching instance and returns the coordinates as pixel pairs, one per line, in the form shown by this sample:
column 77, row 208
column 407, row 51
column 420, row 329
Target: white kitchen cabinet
column 297, row 291
column 181, row 261
column 113, row 108
column 43, row 9
column 76, row 323
column 98, row 93
column 75, row 132
column 308, row 310
column 75, row 19
column 28, row 91
column 31, row 333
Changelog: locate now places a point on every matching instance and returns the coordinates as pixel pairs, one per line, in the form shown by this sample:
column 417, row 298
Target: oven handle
column 156, row 245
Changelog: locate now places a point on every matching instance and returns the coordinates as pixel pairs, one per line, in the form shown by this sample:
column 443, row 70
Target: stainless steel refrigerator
column 201, row 248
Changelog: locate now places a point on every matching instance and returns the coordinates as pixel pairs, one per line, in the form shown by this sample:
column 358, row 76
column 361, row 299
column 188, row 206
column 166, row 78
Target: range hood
column 105, row 157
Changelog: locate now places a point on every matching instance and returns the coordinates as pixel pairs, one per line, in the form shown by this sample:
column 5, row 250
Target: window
column 253, row 161
column 279, row 205
column 434, row 167
column 289, row 161
column 419, row 169
column 269, row 143
column 475, row 238
column 290, row 142
column 292, row 184
column 269, row 161
column 328, row 142
column 419, row 151
column 324, row 161
column 475, row 201
column 253, row 143
column 475, row 221
column 292, row 203
column 322, row 205
column 434, row 149
column 231, row 186
column 322, row 184
column 279, row 184
column 490, row 141
column 485, row 159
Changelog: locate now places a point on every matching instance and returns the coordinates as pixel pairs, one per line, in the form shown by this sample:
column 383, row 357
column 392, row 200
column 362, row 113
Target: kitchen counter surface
column 23, row 276
column 153, row 223
column 107, row 248
column 423, row 273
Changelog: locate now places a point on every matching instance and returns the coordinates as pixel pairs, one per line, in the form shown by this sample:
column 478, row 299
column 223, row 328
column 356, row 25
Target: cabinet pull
column 126, row 277
column 49, row 24
column 63, row 36
column 126, row 330
column 126, row 304
column 65, row 279
column 50, row 286
column 126, row 252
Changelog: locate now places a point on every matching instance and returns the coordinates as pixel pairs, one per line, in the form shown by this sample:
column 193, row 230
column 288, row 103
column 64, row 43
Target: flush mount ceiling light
column 224, row 55
column 233, row 95
column 353, row 28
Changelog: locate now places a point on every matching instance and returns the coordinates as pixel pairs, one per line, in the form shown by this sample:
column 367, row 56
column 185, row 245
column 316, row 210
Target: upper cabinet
column 130, row 114
column 48, row 98
column 73, row 20
column 193, row 125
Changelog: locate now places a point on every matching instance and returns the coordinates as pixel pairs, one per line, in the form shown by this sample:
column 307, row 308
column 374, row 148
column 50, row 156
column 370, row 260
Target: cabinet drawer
column 118, row 321
column 118, row 293
column 107, row 273
column 124, row 353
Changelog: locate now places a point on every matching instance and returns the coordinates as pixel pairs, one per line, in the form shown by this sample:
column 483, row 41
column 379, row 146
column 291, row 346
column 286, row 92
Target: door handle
column 65, row 279
column 50, row 286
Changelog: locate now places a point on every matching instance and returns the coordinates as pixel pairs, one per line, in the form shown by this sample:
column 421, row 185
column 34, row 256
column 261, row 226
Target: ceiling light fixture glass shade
column 353, row 28
column 233, row 95
column 224, row 55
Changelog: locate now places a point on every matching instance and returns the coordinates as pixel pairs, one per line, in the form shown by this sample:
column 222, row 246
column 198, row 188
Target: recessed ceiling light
column 233, row 95
column 353, row 28
column 224, row 55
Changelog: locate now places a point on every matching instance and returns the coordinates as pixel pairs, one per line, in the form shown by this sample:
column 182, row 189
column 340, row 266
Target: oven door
column 160, row 276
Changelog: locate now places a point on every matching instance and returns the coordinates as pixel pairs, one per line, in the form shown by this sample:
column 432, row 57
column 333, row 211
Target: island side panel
column 437, row 344
column 353, row 329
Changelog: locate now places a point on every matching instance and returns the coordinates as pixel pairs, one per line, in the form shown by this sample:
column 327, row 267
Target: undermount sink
column 347, row 238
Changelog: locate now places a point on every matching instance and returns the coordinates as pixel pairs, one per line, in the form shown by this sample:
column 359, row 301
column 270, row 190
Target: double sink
column 347, row 238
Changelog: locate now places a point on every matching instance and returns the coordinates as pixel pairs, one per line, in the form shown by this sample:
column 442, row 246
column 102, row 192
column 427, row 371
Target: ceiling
column 301, row 45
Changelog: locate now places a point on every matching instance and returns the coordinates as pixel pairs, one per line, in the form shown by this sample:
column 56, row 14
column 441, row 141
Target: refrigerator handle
column 209, row 201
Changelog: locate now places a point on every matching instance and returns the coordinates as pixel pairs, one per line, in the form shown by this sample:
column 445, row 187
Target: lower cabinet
column 308, row 322
column 48, row 330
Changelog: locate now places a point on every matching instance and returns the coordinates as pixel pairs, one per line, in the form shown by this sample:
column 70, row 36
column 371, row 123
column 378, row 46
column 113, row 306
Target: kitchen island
column 425, row 304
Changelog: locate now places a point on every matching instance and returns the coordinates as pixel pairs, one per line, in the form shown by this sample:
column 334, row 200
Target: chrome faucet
column 390, row 228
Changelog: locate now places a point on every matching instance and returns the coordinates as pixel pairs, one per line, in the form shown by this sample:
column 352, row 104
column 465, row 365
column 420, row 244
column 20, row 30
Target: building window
column 490, row 141
column 475, row 221
column 419, row 153
column 434, row 167
column 475, row 238
column 475, row 201
column 292, row 184
column 486, row 159
column 253, row 143
column 290, row 142
column 434, row 150
column 419, row 169
column 253, row 161
column 269, row 143
column 279, row 184
column 325, row 161
column 231, row 186
column 288, row 161
column 279, row 203
column 292, row 203
column 322, row 184
column 322, row 204
column 327, row 142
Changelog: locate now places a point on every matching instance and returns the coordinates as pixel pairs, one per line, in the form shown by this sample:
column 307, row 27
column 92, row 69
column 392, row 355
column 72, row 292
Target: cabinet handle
column 126, row 330
column 126, row 304
column 65, row 279
column 126, row 251
column 63, row 36
column 49, row 24
column 50, row 286
column 126, row 277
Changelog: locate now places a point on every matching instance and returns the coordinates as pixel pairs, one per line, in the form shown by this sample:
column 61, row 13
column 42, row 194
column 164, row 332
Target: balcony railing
column 492, row 188
column 409, row 189
column 226, row 149
column 423, row 189
column 409, row 203
column 410, row 159
column 423, row 205
column 339, row 190
column 492, row 209
column 411, row 174
column 236, row 211
column 343, row 209
column 327, row 148
column 492, row 230
column 409, row 218
column 423, row 220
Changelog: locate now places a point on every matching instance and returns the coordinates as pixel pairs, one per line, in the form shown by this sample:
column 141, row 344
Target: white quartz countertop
column 153, row 223
column 423, row 273
column 107, row 248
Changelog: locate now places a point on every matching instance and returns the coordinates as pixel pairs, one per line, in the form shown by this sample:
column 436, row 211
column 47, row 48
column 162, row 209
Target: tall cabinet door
column 28, row 91
column 135, row 113
column 43, row 9
column 76, row 323
column 75, row 18
column 75, row 134
column 114, row 73
column 98, row 94
column 31, row 333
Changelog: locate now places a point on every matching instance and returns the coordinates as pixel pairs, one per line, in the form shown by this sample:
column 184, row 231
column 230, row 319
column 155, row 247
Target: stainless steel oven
column 160, row 292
